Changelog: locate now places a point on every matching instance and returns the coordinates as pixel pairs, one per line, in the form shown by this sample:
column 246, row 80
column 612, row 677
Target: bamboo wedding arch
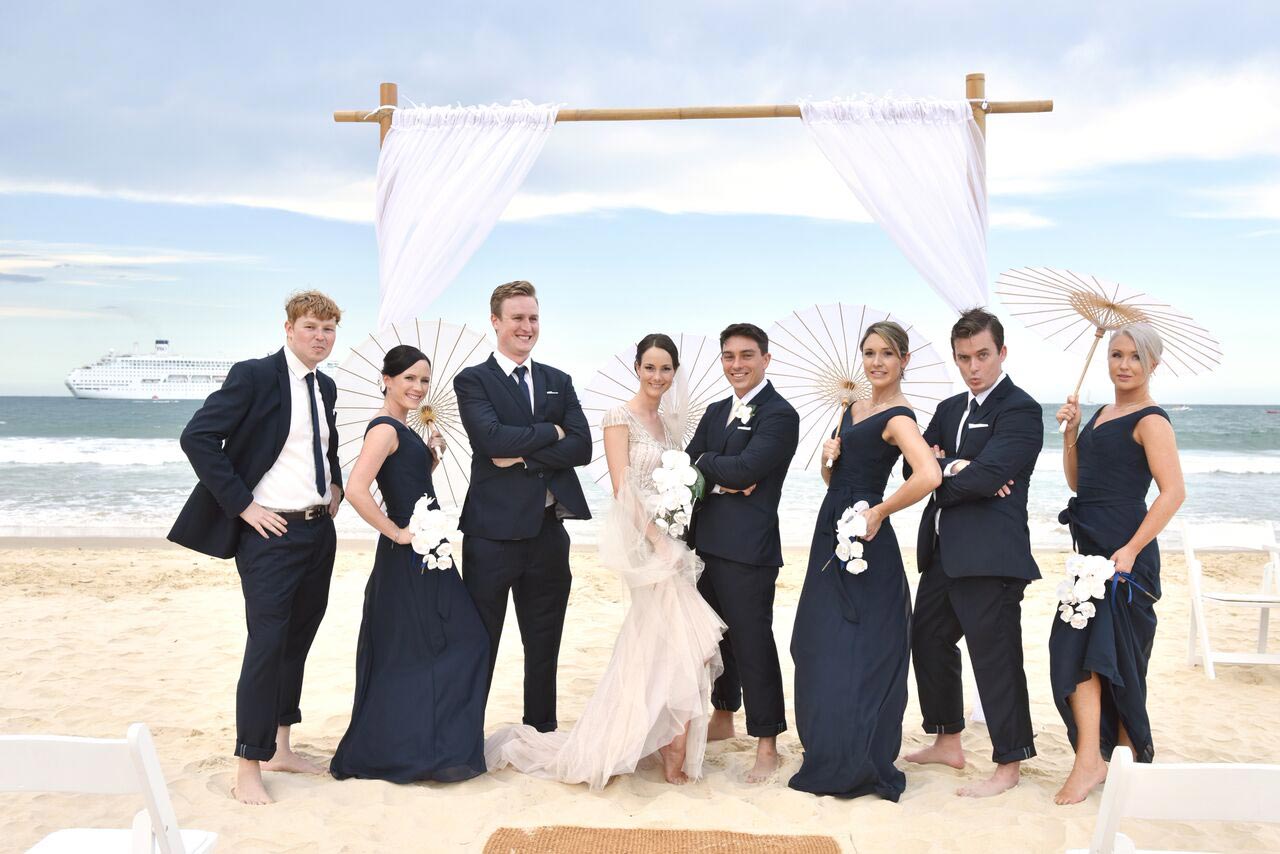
column 975, row 89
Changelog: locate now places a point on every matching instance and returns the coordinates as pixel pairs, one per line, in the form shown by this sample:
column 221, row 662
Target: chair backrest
column 102, row 766
column 1233, row 536
column 1184, row 791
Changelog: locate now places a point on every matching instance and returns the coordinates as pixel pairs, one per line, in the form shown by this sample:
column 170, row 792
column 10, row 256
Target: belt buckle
column 312, row 513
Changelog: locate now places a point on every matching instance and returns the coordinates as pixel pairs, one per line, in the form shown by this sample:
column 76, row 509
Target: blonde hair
column 313, row 304
column 1146, row 340
column 502, row 293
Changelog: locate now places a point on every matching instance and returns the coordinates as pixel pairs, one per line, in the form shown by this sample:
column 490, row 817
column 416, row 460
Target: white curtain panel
column 917, row 167
column 445, row 175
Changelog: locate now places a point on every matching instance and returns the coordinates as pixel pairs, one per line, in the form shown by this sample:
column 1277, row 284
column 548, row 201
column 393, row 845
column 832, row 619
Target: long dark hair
column 662, row 342
column 401, row 358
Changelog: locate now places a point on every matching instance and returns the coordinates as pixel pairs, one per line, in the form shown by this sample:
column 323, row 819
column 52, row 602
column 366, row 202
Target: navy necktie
column 315, row 435
column 968, row 416
column 525, row 397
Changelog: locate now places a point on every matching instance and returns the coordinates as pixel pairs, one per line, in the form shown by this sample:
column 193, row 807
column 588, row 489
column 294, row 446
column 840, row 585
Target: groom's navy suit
column 737, row 538
column 976, row 562
column 513, row 536
column 232, row 441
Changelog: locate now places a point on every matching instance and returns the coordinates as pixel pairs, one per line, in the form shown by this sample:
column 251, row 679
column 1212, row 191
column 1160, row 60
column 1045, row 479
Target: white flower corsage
column 743, row 411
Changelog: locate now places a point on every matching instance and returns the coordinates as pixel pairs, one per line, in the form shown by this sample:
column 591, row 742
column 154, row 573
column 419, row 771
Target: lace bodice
column 644, row 452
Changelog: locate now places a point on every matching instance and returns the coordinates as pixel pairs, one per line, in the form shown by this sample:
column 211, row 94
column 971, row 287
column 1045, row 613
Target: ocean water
column 72, row 467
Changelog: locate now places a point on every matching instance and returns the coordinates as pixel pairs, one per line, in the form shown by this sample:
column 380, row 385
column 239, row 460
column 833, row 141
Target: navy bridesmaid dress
column 1110, row 504
column 852, row 638
column 422, row 661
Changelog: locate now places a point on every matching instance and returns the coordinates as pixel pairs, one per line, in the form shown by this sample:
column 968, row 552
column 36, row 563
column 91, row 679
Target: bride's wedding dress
column 665, row 658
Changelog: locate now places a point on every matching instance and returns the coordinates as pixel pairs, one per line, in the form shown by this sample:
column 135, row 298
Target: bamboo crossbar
column 650, row 114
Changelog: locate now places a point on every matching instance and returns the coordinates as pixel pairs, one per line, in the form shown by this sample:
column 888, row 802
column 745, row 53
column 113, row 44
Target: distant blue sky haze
column 173, row 171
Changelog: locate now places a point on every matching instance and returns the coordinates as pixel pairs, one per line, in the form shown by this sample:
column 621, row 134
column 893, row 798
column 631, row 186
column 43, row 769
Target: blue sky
column 167, row 171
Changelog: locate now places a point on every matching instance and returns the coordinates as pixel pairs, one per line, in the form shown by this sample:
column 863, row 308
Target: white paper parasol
column 450, row 348
column 616, row 383
column 1065, row 307
column 817, row 367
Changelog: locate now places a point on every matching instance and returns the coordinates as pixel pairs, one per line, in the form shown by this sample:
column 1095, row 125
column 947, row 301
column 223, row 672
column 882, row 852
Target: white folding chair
column 103, row 766
column 1180, row 792
column 1236, row 536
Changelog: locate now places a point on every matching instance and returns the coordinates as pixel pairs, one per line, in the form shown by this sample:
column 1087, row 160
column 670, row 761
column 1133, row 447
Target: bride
column 655, row 693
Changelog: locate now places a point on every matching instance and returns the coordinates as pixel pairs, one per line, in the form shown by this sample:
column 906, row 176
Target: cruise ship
column 159, row 375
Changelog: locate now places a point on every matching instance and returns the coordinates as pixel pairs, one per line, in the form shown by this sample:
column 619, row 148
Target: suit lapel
column 720, row 412
column 954, row 417
column 512, row 388
column 539, row 393
column 286, row 403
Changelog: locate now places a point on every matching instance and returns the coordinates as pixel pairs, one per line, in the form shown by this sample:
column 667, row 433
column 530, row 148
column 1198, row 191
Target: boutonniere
column 743, row 411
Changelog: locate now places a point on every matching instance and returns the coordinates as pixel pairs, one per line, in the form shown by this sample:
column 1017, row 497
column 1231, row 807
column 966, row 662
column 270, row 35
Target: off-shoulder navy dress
column 422, row 661
column 852, row 638
column 1112, row 479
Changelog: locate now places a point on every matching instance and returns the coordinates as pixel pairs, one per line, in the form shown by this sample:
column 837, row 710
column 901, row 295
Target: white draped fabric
column 445, row 175
column 918, row 168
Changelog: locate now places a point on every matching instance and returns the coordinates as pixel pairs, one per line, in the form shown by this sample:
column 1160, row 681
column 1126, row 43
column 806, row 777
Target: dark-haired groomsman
column 974, row 551
column 743, row 446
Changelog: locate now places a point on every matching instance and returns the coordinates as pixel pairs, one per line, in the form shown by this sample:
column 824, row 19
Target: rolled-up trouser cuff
column 944, row 729
column 544, row 726
column 258, row 754
column 1013, row 755
column 766, row 730
column 721, row 706
column 290, row 718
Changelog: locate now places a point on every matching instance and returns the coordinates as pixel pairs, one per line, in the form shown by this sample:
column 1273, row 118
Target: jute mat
column 611, row 840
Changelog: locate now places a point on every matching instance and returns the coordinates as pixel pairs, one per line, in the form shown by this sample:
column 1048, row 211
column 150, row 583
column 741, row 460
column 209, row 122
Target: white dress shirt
column 290, row 483
column 981, row 397
column 509, row 368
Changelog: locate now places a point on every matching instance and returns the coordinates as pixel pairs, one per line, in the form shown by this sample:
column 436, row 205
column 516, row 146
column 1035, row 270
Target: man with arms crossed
column 527, row 433
column 265, row 448
column 974, row 551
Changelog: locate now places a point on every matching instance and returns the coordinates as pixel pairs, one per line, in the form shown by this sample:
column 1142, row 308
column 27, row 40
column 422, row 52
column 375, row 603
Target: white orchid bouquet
column 1087, row 577
column 431, row 529
column 851, row 527
column 679, row 484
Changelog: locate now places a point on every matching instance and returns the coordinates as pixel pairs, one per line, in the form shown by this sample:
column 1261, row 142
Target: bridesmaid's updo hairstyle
column 1145, row 340
column 662, row 342
column 401, row 358
column 893, row 334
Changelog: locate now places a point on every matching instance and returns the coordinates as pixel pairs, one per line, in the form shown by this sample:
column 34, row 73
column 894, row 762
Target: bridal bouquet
column 1087, row 577
column 679, row 484
column 850, row 527
column 431, row 529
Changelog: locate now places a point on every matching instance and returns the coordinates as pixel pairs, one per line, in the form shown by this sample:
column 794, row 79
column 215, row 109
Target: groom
column 265, row 448
column 743, row 446
column 974, row 552
column 527, row 432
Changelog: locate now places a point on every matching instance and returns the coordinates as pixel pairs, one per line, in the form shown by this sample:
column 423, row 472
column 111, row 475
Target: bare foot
column 286, row 760
column 945, row 750
column 766, row 761
column 1084, row 776
column 1004, row 779
column 249, row 788
column 720, row 726
column 673, row 763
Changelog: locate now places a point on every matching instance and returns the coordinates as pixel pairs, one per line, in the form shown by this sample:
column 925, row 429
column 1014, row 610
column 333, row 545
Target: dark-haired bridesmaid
column 1099, row 672
column 422, row 663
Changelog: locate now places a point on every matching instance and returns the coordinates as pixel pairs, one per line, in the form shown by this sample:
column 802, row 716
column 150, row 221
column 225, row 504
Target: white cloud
column 1257, row 201
column 1019, row 219
column 18, row 256
column 37, row 313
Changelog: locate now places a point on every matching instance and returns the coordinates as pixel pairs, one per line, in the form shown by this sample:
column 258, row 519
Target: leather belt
column 306, row 515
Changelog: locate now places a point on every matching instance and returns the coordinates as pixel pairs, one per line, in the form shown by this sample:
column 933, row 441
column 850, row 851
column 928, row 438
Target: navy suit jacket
column 233, row 441
column 981, row 534
column 743, row 528
column 507, row 503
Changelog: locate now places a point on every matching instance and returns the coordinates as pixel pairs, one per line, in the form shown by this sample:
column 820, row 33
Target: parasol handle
column 1062, row 425
column 836, row 432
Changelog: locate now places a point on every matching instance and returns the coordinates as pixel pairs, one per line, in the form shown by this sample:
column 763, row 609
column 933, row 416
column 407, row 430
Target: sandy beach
column 97, row 634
